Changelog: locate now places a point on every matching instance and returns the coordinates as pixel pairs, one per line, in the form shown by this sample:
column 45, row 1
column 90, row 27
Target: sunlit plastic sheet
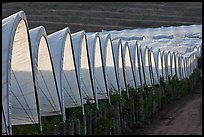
column 179, row 70
column 152, row 60
column 178, row 45
column 192, row 57
column 45, row 80
column 187, row 66
column 163, row 64
column 18, row 94
column 182, row 47
column 127, row 65
column 168, row 57
column 146, row 65
column 126, row 35
column 158, row 61
column 182, row 66
column 95, row 55
column 133, row 46
column 153, row 66
column 108, row 62
column 171, row 32
column 83, row 67
column 173, row 63
column 117, row 53
column 61, row 50
column 190, row 31
column 195, row 43
column 168, row 62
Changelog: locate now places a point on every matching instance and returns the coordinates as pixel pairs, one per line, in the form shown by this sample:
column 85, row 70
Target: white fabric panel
column 177, row 45
column 133, row 46
column 60, row 46
column 185, row 66
column 117, row 52
column 163, row 36
column 164, row 64
column 153, row 67
column 179, row 66
column 94, row 48
column 190, row 30
column 191, row 56
column 166, row 38
column 168, row 62
column 142, row 73
column 127, row 65
column 83, row 67
column 194, row 61
column 72, row 95
column 17, row 75
column 158, row 62
column 124, row 35
column 188, row 67
column 182, row 67
column 146, row 64
column 199, row 50
column 191, row 63
column 108, row 62
column 173, row 63
column 177, row 31
column 43, row 72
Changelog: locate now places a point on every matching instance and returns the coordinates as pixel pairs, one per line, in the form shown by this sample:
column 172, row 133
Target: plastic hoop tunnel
column 62, row 55
column 127, row 66
column 117, row 53
column 96, row 62
column 83, row 67
column 133, row 46
column 19, row 97
column 45, row 80
column 108, row 62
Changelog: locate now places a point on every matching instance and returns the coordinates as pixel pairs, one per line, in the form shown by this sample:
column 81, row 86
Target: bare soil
column 183, row 117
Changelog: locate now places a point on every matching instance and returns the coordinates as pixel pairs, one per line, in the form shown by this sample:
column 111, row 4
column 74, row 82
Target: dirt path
column 183, row 117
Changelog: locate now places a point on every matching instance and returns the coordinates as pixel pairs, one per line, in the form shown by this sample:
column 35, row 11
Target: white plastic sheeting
column 127, row 66
column 108, row 62
column 133, row 48
column 158, row 62
column 18, row 93
column 173, row 63
column 64, row 67
column 65, row 70
column 191, row 59
column 95, row 55
column 165, row 76
column 45, row 80
column 167, row 56
column 117, row 53
column 161, row 32
column 83, row 67
column 145, row 52
column 153, row 67
column 169, row 41
column 177, row 65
